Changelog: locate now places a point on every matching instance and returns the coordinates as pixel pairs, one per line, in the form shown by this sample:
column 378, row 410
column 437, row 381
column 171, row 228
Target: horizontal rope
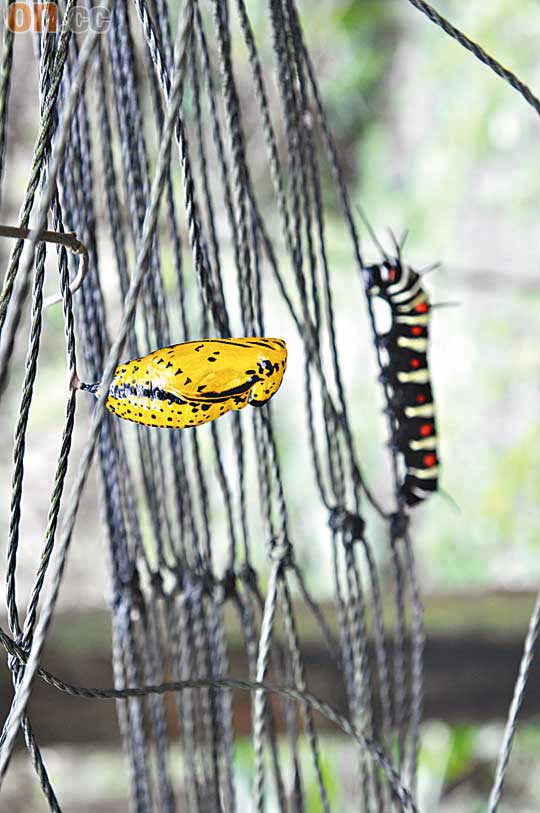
column 290, row 692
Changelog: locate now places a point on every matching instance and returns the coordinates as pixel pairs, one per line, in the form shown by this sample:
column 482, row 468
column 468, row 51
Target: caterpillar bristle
column 403, row 241
column 371, row 230
column 398, row 245
column 448, row 497
column 428, row 269
column 438, row 305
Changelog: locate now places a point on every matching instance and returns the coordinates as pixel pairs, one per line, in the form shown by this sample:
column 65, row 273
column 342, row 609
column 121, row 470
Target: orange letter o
column 14, row 13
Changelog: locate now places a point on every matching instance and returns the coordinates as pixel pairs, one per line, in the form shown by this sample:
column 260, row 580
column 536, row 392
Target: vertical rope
column 22, row 695
column 531, row 641
column 159, row 500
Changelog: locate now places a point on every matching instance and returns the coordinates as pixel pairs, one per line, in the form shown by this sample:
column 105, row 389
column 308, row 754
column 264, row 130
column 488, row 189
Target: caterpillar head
column 383, row 275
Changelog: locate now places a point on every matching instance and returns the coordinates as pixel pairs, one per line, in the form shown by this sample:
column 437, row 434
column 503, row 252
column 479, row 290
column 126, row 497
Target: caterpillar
column 195, row 382
column 407, row 373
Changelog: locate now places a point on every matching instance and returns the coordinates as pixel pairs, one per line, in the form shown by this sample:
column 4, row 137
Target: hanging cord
column 184, row 32
column 77, row 189
column 513, row 713
column 509, row 77
column 534, row 623
column 398, row 521
column 245, row 601
column 156, row 328
column 5, row 89
column 299, row 678
column 211, row 302
column 25, row 636
column 260, row 701
column 41, row 155
column 418, row 639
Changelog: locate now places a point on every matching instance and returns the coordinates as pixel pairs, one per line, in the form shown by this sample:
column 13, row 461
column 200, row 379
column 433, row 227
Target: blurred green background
column 432, row 142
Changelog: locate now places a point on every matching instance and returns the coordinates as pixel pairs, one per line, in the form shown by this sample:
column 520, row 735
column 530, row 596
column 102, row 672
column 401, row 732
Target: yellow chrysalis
column 196, row 382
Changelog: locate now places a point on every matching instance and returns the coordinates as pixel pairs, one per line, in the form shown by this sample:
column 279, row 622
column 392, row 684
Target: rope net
column 215, row 214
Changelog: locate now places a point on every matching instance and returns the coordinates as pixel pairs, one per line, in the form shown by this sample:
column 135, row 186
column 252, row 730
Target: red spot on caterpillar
column 392, row 274
column 416, row 331
column 415, row 363
column 429, row 460
column 420, row 398
column 426, row 429
column 422, row 307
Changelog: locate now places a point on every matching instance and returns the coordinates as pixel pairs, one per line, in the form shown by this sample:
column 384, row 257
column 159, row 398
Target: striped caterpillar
column 407, row 373
column 189, row 384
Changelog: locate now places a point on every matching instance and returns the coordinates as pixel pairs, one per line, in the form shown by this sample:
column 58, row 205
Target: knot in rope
column 14, row 665
column 156, row 581
column 131, row 588
column 399, row 523
column 17, row 655
column 228, row 584
column 248, row 576
column 281, row 551
column 128, row 592
column 207, row 582
column 351, row 525
column 191, row 584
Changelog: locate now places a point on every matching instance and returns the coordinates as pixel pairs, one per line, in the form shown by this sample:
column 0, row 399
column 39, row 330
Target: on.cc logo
column 21, row 18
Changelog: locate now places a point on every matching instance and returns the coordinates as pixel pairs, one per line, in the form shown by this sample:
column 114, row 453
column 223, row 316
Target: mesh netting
column 182, row 195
